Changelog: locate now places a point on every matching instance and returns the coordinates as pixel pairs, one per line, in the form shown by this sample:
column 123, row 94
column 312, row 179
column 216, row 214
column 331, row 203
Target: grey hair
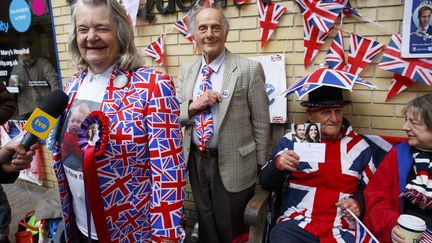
column 198, row 8
column 421, row 107
column 129, row 58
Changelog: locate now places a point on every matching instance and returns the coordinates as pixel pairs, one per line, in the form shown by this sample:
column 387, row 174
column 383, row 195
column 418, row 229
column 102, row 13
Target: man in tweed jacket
column 223, row 175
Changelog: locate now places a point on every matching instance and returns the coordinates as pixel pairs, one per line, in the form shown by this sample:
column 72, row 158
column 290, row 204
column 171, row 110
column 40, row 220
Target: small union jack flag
column 320, row 13
column 156, row 49
column 335, row 58
column 183, row 27
column 361, row 52
column 269, row 16
column 416, row 69
column 362, row 234
column 398, row 84
column 313, row 40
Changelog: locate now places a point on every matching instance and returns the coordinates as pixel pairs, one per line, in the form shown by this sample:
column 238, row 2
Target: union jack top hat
column 325, row 96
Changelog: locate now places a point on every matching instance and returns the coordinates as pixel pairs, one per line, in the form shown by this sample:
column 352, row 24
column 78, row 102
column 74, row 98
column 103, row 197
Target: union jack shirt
column 141, row 175
column 314, row 189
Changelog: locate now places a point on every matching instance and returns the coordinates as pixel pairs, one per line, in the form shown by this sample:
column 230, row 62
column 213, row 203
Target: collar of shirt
column 216, row 64
column 105, row 75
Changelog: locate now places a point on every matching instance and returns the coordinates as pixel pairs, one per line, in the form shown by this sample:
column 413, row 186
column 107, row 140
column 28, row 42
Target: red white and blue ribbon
column 94, row 126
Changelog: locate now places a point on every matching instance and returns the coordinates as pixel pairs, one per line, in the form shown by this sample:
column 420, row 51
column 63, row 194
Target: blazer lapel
column 230, row 78
column 191, row 75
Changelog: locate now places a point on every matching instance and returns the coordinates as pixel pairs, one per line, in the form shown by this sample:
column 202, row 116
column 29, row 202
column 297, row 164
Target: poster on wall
column 274, row 71
column 417, row 29
column 28, row 57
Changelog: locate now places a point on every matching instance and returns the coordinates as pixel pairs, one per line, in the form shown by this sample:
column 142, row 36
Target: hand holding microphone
column 43, row 118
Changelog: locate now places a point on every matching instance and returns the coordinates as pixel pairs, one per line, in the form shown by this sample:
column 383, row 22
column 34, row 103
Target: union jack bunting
column 348, row 10
column 335, row 58
column 361, row 52
column 156, row 49
column 131, row 7
column 398, row 84
column 183, row 27
column 320, row 13
column 313, row 40
column 268, row 18
column 416, row 69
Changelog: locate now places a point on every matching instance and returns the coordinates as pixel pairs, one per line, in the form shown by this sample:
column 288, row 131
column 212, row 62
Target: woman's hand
column 396, row 235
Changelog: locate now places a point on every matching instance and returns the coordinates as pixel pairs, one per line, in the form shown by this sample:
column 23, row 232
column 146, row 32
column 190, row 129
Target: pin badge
column 120, row 81
column 225, row 93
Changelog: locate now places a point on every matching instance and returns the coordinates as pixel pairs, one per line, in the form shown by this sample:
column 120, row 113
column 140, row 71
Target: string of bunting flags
column 319, row 17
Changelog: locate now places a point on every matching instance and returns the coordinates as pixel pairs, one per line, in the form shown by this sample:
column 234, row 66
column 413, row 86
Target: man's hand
column 287, row 160
column 396, row 235
column 204, row 102
column 352, row 205
column 22, row 160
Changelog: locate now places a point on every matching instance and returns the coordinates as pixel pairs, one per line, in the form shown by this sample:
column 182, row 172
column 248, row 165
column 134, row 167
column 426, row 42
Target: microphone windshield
column 55, row 103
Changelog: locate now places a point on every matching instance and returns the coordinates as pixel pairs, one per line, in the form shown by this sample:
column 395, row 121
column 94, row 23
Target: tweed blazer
column 243, row 115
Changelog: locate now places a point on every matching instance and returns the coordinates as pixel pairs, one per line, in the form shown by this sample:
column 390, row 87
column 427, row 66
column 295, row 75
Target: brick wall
column 369, row 112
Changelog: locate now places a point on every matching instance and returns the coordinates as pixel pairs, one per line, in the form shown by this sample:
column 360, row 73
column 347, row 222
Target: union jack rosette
column 94, row 132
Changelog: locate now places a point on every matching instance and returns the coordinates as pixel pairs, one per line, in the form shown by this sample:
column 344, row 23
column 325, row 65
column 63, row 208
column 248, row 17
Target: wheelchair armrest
column 256, row 208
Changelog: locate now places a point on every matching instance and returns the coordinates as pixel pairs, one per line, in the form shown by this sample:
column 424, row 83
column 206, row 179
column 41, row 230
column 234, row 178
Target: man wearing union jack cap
column 225, row 111
column 314, row 204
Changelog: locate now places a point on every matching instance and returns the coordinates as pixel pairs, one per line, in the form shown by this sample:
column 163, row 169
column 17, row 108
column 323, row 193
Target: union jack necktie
column 204, row 119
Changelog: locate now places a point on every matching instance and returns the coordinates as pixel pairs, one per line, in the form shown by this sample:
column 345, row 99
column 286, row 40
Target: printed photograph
column 306, row 132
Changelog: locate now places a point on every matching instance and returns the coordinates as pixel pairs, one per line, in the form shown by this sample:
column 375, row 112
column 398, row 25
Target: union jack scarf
column 183, row 27
column 269, row 16
column 156, row 49
column 204, row 119
column 419, row 190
